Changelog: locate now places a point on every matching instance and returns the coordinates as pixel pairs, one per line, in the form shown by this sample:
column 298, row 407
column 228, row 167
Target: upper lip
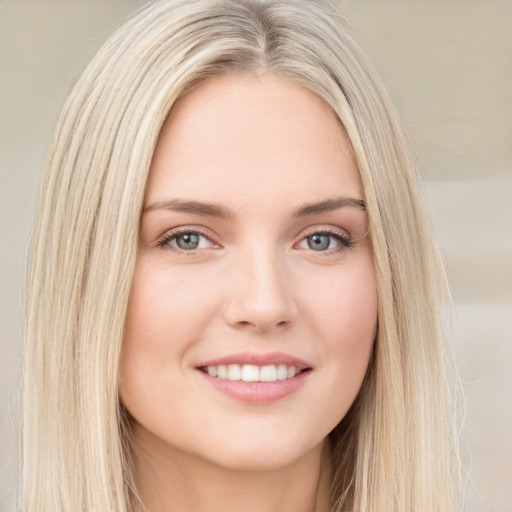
column 257, row 359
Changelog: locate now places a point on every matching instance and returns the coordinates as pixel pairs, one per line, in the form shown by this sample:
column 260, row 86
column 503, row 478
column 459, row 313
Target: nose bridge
column 261, row 293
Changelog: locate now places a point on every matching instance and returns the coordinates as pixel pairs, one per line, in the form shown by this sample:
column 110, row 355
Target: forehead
column 255, row 138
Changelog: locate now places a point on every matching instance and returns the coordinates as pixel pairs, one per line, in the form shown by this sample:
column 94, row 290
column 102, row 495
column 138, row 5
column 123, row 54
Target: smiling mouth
column 252, row 372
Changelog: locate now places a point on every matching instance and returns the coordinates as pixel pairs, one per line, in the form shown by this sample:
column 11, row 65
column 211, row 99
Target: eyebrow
column 329, row 205
column 216, row 210
column 197, row 207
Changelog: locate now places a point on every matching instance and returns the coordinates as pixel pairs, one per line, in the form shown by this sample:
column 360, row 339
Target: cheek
column 165, row 316
column 345, row 306
column 166, row 307
column 345, row 317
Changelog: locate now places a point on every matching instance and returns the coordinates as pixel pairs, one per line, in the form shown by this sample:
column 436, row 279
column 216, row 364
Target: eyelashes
column 186, row 240
column 191, row 241
column 322, row 240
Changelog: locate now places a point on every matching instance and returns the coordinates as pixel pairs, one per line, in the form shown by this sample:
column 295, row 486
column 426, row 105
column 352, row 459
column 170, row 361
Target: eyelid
column 164, row 240
column 340, row 234
column 335, row 230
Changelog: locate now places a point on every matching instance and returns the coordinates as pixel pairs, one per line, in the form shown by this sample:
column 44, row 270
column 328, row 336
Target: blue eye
column 319, row 242
column 188, row 241
column 323, row 241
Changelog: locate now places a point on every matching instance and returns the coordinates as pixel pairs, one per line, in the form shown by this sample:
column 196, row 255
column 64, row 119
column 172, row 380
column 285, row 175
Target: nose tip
column 260, row 298
column 260, row 326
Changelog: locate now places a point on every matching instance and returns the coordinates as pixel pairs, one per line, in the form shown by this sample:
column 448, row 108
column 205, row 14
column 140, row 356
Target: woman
column 233, row 295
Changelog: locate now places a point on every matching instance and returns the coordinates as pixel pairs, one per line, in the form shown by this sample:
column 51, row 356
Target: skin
column 261, row 147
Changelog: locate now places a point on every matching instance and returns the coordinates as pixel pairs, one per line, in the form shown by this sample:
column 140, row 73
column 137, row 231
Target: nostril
column 260, row 307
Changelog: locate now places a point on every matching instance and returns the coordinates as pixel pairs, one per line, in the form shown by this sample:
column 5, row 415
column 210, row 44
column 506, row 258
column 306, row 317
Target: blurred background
column 448, row 66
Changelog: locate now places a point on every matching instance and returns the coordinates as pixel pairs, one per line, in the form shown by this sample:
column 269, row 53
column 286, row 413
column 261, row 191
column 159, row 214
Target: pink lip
column 258, row 393
column 257, row 359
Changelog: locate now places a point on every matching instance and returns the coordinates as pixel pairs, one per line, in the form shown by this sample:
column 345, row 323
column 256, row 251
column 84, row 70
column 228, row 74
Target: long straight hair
column 396, row 449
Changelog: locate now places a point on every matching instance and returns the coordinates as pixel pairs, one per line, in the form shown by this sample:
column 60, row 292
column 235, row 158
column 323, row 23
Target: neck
column 172, row 481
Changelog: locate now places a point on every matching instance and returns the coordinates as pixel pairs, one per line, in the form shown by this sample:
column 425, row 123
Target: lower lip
column 257, row 392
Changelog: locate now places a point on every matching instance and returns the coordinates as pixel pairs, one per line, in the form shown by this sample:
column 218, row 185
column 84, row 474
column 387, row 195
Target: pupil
column 318, row 242
column 188, row 241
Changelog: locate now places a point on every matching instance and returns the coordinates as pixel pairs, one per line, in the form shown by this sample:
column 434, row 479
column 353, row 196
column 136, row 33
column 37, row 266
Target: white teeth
column 268, row 373
column 252, row 372
column 222, row 371
column 282, row 372
column 234, row 372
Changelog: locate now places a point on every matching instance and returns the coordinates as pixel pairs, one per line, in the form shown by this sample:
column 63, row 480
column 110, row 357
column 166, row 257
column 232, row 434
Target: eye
column 185, row 240
column 323, row 241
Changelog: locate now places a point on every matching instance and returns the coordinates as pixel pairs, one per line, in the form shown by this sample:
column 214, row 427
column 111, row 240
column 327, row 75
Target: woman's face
column 253, row 308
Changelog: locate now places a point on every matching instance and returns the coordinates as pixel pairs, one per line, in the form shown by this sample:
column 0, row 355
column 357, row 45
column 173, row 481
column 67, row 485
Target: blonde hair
column 394, row 449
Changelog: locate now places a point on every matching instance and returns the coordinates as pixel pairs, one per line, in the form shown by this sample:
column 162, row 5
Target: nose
column 260, row 294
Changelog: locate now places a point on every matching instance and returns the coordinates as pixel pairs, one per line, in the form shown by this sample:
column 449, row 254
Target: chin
column 266, row 455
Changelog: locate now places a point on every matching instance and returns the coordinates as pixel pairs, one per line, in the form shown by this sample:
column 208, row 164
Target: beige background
column 448, row 65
